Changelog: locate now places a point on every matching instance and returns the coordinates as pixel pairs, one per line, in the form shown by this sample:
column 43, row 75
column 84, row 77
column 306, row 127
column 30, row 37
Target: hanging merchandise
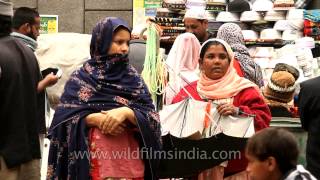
column 184, row 120
column 196, row 127
column 154, row 73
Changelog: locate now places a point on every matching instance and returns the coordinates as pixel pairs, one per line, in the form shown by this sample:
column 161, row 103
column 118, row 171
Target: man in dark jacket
column 309, row 109
column 19, row 140
column 26, row 26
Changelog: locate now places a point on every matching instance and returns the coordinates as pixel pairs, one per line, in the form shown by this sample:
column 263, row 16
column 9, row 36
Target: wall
column 80, row 15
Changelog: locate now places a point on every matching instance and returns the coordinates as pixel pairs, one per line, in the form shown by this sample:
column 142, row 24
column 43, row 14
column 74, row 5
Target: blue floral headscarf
column 103, row 83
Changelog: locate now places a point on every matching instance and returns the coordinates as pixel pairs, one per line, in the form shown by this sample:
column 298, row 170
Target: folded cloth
column 314, row 31
column 307, row 23
column 312, row 15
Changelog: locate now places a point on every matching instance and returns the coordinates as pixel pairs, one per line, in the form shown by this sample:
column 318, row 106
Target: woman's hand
column 114, row 120
column 118, row 130
column 94, row 119
column 227, row 109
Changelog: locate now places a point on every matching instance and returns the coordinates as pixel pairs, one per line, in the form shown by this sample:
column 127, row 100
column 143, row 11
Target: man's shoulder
column 10, row 46
column 8, row 41
column 5, row 45
column 311, row 83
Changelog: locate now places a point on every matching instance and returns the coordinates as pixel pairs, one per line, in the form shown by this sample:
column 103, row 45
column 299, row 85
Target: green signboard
column 152, row 3
column 48, row 24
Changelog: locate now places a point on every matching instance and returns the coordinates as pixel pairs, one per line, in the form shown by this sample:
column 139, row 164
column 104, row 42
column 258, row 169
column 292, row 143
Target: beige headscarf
column 226, row 87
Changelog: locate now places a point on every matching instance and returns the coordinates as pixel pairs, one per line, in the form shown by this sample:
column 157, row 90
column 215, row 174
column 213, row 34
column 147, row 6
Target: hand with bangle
column 227, row 109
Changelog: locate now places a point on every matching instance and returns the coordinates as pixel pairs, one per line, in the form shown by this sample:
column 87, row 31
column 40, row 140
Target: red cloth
column 237, row 66
column 314, row 31
column 115, row 156
column 249, row 101
column 310, row 24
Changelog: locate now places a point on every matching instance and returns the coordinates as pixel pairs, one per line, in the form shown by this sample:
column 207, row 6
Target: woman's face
column 215, row 62
column 120, row 42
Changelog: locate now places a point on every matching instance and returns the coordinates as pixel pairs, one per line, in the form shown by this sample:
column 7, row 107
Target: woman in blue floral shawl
column 105, row 108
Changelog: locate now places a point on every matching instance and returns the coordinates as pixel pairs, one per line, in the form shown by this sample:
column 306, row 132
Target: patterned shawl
column 103, row 83
column 232, row 34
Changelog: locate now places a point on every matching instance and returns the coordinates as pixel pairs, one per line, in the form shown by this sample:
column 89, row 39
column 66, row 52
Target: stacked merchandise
column 312, row 24
column 283, row 4
column 262, row 5
column 272, row 34
column 222, row 16
column 216, row 5
column 294, row 25
column 305, row 60
column 213, row 7
column 265, row 23
column 254, row 19
column 197, row 4
column 263, row 57
column 170, row 19
column 174, row 4
column 312, row 29
column 273, row 26
column 226, row 16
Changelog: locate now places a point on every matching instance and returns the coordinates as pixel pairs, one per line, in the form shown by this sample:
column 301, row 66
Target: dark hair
column 278, row 143
column 5, row 25
column 207, row 45
column 24, row 15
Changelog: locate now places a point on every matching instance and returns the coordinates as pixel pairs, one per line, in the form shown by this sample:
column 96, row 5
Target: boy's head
column 271, row 153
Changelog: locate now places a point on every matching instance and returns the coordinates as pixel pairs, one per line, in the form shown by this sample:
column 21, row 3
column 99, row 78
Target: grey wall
column 80, row 15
